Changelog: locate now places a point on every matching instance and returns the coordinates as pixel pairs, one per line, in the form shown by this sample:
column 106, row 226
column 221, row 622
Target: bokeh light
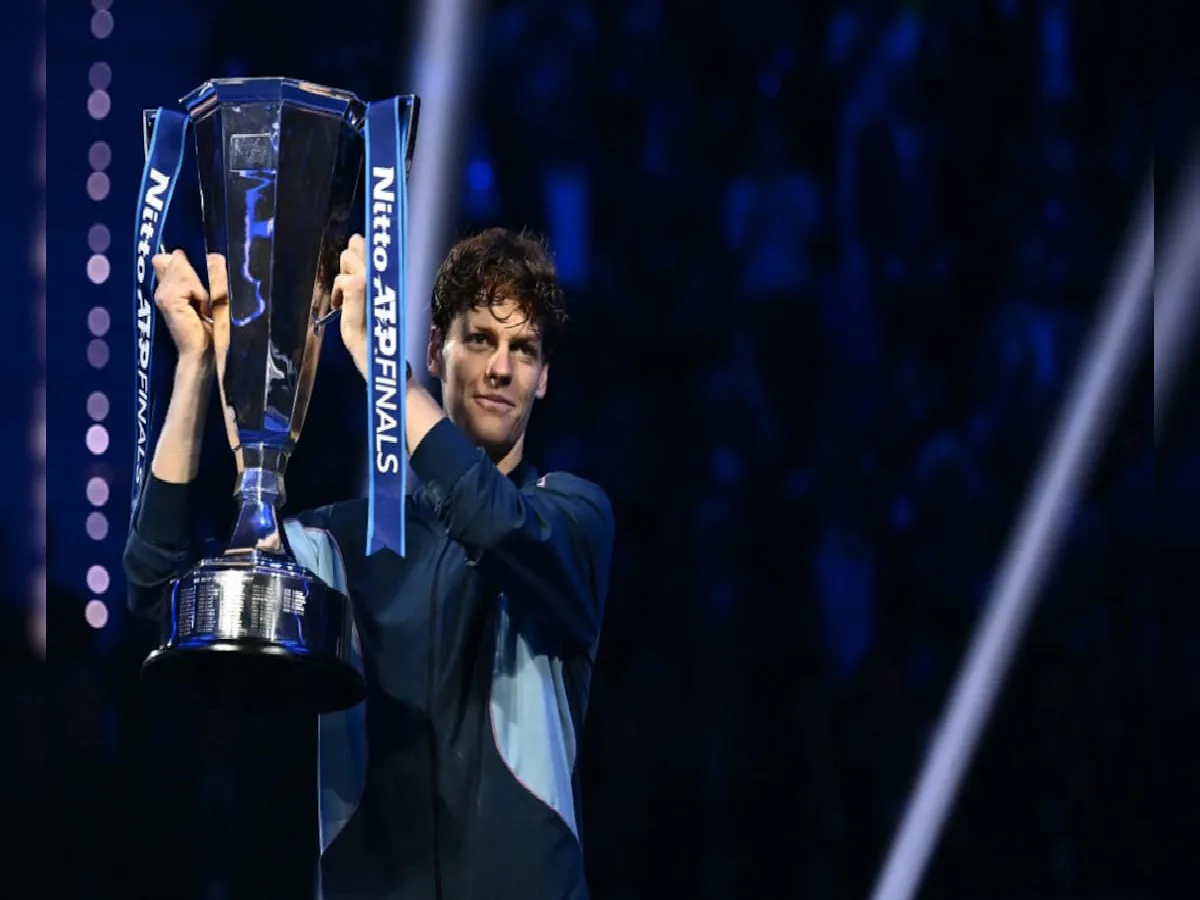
column 99, row 155
column 97, row 526
column 96, row 613
column 97, row 405
column 99, row 76
column 99, row 238
column 97, row 186
column 102, row 24
column 99, row 321
column 99, row 104
column 97, row 439
column 97, row 353
column 98, row 580
column 97, row 491
column 98, row 269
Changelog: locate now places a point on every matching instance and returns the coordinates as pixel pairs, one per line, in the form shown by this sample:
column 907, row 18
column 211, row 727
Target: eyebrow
column 516, row 337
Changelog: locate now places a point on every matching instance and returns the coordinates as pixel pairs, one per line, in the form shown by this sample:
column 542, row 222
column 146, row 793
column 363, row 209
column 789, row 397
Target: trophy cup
column 279, row 165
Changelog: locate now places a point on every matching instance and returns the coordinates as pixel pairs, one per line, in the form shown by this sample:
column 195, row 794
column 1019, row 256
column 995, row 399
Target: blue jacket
column 456, row 779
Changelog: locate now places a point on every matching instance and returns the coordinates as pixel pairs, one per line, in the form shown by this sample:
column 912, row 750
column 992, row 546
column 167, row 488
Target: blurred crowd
column 833, row 264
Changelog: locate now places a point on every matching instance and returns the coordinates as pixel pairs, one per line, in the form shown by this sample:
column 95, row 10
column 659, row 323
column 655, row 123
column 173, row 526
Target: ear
column 543, row 376
column 435, row 363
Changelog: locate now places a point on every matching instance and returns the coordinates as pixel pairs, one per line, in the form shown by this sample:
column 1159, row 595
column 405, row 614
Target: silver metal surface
column 258, row 632
column 280, row 163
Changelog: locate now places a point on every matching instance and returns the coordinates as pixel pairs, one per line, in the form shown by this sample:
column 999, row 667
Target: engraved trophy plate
column 279, row 165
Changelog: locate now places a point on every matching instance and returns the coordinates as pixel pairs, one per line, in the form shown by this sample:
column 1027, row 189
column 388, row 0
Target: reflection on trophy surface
column 279, row 165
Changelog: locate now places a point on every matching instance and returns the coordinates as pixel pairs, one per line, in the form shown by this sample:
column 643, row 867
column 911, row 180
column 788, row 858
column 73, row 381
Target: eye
column 478, row 339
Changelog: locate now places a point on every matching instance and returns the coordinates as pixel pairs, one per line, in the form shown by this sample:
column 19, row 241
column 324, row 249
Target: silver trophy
column 279, row 163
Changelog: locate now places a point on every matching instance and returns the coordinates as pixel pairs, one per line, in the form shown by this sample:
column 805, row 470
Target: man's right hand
column 189, row 310
column 198, row 321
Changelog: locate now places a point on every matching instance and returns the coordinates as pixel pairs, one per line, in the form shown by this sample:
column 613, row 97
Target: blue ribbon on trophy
column 164, row 158
column 386, row 225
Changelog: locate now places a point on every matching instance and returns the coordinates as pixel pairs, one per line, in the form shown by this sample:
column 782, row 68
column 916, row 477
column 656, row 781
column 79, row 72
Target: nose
column 499, row 369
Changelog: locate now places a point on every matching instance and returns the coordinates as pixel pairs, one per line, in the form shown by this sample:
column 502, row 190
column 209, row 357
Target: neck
column 507, row 461
column 505, row 458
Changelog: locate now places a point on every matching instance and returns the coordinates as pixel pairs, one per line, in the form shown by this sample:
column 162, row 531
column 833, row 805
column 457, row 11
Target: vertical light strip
column 37, row 425
column 441, row 74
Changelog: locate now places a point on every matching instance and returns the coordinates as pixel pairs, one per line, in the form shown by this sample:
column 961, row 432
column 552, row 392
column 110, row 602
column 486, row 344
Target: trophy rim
column 312, row 95
column 202, row 100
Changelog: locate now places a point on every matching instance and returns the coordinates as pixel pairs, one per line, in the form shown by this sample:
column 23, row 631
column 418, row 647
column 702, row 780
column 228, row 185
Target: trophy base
column 260, row 634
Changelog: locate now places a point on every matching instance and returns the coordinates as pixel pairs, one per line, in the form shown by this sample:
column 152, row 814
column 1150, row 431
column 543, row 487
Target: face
column 492, row 368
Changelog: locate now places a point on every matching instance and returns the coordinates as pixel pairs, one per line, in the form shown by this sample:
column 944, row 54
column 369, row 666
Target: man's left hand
column 350, row 296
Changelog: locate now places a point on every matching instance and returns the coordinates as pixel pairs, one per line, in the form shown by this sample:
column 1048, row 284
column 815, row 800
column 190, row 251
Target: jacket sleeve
column 549, row 547
column 160, row 546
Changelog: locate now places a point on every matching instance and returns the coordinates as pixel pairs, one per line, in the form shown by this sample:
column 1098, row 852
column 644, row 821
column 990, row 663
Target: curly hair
column 497, row 265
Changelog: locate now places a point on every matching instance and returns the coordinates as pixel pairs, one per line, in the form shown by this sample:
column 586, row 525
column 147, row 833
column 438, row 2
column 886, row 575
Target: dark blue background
column 832, row 265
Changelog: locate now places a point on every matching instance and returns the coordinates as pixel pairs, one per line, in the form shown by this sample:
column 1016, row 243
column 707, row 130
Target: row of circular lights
column 99, row 321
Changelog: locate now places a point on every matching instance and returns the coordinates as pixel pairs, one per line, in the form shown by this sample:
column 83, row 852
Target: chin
column 490, row 438
column 494, row 433
column 494, row 443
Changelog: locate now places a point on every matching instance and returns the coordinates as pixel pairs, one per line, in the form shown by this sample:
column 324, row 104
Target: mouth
column 494, row 402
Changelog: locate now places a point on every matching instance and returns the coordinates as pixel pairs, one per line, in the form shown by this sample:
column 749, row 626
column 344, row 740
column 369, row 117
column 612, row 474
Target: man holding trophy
column 446, row 652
